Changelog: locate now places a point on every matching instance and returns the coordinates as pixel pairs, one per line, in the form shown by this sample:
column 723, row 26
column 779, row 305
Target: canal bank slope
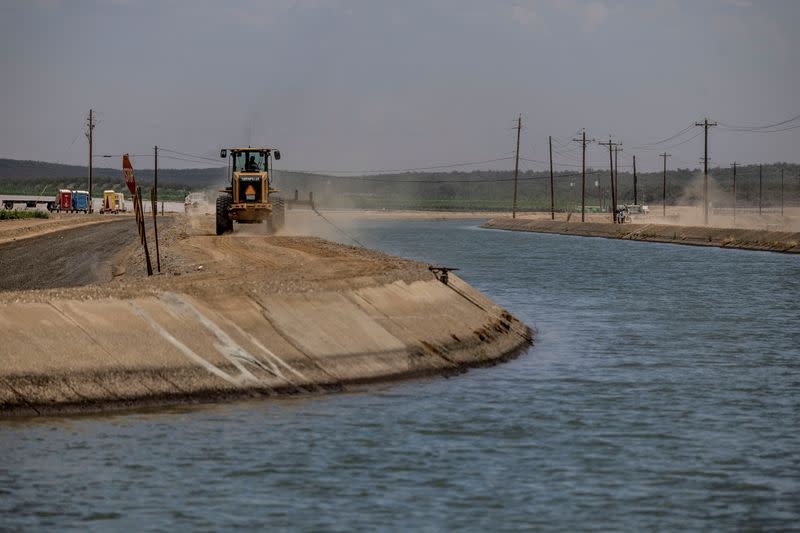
column 745, row 239
column 237, row 316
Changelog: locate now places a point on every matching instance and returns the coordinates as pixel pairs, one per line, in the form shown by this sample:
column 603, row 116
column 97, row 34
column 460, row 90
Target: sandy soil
column 197, row 262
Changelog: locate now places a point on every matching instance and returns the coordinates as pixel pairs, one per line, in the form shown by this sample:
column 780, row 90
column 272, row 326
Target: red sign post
column 127, row 171
column 136, row 193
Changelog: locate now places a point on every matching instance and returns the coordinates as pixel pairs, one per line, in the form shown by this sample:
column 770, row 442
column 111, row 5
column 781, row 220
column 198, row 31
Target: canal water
column 663, row 392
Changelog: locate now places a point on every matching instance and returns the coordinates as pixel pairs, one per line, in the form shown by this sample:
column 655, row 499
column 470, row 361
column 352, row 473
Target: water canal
column 663, row 392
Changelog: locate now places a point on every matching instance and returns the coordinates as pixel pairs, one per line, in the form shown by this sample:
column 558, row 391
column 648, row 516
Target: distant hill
column 20, row 171
column 477, row 189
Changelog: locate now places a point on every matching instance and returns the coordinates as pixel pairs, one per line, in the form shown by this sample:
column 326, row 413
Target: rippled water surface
column 663, row 392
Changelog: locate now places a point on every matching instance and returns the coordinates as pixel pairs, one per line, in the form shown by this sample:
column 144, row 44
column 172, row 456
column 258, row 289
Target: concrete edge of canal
column 737, row 238
column 71, row 356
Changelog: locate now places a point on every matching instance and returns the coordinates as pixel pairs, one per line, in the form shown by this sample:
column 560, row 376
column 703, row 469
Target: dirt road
column 68, row 258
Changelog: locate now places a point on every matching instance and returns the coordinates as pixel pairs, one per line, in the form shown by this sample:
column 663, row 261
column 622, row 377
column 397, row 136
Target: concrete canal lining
column 197, row 337
column 739, row 238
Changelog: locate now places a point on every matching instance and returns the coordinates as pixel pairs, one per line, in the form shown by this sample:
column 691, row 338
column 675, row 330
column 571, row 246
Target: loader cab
column 250, row 160
column 249, row 175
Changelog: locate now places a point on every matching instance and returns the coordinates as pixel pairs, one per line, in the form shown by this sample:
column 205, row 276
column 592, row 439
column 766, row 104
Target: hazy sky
column 348, row 85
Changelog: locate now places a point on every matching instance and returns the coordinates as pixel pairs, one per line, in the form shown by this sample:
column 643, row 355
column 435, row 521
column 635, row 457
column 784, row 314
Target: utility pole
column 583, row 142
column 155, row 170
column 89, row 134
column 617, row 150
column 611, row 145
column 734, row 192
column 516, row 169
column 760, row 168
column 154, row 200
column 635, row 193
column 705, row 124
column 552, row 195
column 781, row 191
column 665, row 155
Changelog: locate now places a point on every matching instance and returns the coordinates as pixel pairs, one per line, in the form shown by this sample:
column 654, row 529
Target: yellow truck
column 113, row 202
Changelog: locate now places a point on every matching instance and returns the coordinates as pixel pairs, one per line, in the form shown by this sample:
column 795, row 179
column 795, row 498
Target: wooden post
column 155, row 180
column 583, row 142
column 665, row 155
column 611, row 145
column 552, row 194
column 583, row 178
column 154, row 200
column 516, row 169
column 705, row 124
column 155, row 225
column 143, row 232
column 613, row 186
column 91, row 129
column 617, row 150
column 734, row 193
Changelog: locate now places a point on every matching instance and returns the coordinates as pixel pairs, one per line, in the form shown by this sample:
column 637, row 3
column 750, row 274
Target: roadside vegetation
column 18, row 215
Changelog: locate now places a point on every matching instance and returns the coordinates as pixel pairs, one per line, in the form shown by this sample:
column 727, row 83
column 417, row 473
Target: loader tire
column 278, row 215
column 276, row 219
column 224, row 222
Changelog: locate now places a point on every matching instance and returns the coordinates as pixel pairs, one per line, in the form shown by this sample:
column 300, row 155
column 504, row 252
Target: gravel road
column 68, row 258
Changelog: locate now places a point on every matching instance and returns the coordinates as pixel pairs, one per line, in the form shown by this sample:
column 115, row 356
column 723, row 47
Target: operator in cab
column 251, row 165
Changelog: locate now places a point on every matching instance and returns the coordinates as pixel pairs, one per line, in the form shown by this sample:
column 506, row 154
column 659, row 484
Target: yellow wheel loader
column 248, row 197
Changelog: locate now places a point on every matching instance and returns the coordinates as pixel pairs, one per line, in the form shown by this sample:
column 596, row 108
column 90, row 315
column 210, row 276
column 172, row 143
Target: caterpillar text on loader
column 247, row 199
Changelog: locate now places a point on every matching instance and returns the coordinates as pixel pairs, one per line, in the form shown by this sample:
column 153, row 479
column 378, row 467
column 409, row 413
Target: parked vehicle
column 80, row 201
column 63, row 200
column 121, row 207
column 9, row 203
column 193, row 201
column 113, row 202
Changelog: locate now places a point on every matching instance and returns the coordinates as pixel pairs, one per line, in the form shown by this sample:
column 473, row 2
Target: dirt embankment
column 239, row 315
column 745, row 239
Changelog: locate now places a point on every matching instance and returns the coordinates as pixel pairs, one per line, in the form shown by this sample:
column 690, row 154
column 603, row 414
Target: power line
column 196, row 156
column 789, row 128
column 674, row 136
column 401, row 170
column 676, row 144
column 764, row 127
column 118, row 155
column 440, row 181
column 187, row 160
